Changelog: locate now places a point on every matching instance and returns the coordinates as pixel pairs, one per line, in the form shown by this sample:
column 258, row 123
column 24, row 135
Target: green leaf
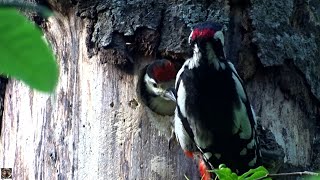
column 24, row 54
column 313, row 177
column 256, row 173
column 225, row 173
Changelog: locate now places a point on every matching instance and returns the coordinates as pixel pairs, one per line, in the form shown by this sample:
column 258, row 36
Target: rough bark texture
column 94, row 127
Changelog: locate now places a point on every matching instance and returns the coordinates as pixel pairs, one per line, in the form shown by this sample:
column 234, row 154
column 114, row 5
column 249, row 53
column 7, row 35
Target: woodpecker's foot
column 205, row 174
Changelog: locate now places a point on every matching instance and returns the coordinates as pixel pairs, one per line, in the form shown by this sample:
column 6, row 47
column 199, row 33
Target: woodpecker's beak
column 170, row 94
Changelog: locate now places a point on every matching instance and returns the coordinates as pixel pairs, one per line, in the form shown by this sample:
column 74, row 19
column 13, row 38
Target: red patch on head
column 202, row 33
column 205, row 175
column 164, row 73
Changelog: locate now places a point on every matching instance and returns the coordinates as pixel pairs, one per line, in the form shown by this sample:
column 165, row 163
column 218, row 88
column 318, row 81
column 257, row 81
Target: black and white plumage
column 156, row 86
column 213, row 114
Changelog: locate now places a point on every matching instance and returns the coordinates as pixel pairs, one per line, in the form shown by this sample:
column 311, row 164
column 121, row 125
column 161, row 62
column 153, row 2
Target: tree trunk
column 95, row 127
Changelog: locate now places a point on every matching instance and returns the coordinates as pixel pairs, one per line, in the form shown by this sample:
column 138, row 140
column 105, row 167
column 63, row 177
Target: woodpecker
column 157, row 93
column 213, row 116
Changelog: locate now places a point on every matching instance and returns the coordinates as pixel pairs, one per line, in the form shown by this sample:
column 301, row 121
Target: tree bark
column 95, row 127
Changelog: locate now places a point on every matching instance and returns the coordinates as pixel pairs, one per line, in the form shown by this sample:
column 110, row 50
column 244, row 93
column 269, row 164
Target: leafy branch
column 304, row 173
column 23, row 53
column 259, row 173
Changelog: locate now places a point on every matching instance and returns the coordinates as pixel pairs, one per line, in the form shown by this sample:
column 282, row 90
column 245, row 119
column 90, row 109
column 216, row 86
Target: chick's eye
column 154, row 85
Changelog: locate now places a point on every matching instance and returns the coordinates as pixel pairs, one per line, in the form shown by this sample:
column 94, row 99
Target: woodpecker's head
column 208, row 34
column 160, row 78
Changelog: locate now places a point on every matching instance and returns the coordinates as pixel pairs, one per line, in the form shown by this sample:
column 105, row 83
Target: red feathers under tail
column 205, row 175
column 189, row 154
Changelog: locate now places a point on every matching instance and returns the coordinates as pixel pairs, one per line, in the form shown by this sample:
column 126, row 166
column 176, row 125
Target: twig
column 304, row 173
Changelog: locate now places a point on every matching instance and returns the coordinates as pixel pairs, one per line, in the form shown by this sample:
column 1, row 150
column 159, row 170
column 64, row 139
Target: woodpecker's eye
column 154, row 85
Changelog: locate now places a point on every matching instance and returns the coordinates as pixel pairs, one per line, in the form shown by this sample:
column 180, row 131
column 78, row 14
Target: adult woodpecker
column 156, row 92
column 213, row 116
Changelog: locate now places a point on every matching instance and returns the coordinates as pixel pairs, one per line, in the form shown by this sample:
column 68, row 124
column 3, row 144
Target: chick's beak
column 170, row 94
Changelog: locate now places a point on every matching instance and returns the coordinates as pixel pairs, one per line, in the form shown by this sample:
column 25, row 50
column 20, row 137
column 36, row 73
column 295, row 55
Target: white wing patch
column 253, row 162
column 243, row 152
column 251, row 144
column 241, row 121
column 239, row 87
column 207, row 155
column 232, row 67
column 234, row 71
